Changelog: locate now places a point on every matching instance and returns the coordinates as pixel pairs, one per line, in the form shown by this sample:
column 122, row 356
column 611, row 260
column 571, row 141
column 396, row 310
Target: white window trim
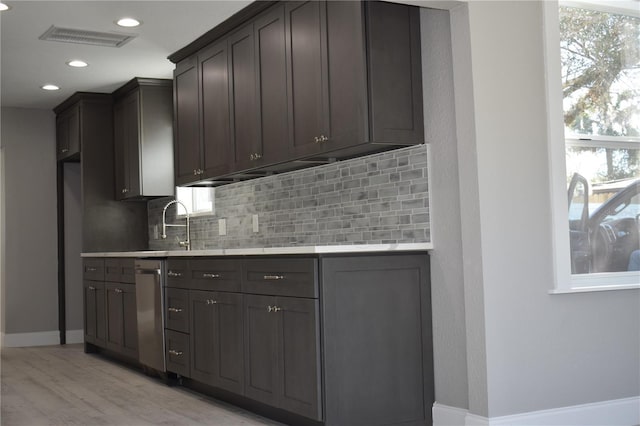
column 564, row 281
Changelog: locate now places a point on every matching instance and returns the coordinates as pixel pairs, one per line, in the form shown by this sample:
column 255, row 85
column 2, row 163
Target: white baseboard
column 41, row 338
column 619, row 412
column 443, row 415
column 75, row 336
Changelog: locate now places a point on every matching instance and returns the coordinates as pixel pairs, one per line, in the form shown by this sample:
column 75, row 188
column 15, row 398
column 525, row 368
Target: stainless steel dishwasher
column 150, row 275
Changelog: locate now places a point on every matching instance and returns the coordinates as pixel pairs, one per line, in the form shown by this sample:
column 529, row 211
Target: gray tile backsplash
column 377, row 199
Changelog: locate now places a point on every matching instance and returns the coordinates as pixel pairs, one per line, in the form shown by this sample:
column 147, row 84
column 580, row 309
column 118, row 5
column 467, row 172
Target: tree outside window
column 600, row 53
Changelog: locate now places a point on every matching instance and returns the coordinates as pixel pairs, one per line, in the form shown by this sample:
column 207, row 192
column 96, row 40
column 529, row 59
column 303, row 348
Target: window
column 600, row 100
column 198, row 200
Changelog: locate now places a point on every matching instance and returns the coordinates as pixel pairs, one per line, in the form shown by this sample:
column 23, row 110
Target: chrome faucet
column 187, row 242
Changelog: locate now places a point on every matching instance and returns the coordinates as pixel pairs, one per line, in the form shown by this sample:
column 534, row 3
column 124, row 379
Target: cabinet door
column 68, row 133
column 94, row 313
column 347, row 76
column 244, row 105
column 201, row 308
column 187, row 149
column 307, row 73
column 130, row 321
column 217, row 145
column 115, row 315
column 300, row 356
column 120, row 151
column 229, row 348
column 395, row 76
column 271, row 63
column 216, row 339
column 132, row 138
column 261, row 349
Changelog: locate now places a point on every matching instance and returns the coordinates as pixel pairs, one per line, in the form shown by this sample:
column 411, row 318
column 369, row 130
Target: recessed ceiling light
column 128, row 22
column 50, row 87
column 4, row 7
column 77, row 63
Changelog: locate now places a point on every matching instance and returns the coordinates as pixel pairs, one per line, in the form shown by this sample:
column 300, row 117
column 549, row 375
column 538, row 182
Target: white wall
column 31, row 280
column 527, row 350
column 447, row 289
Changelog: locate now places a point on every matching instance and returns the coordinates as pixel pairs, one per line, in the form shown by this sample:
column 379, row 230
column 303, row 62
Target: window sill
column 606, row 281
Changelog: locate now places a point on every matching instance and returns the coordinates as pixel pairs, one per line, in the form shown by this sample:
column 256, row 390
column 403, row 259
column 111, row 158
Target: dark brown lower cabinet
column 122, row 321
column 216, row 339
column 177, row 352
column 94, row 313
column 282, row 353
column 377, row 347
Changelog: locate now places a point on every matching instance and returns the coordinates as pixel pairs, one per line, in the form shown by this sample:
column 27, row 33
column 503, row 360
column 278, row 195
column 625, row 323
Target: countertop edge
column 334, row 249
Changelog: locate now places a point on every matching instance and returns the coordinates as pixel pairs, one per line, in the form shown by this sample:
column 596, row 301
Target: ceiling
column 28, row 63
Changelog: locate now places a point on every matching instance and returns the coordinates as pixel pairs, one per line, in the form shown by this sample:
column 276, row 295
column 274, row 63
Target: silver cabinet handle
column 63, row 150
column 273, row 309
column 174, row 352
column 255, row 156
column 273, row 277
column 118, row 290
column 90, row 269
column 211, row 302
column 209, row 275
column 174, row 309
column 174, row 274
column 125, row 190
column 92, row 288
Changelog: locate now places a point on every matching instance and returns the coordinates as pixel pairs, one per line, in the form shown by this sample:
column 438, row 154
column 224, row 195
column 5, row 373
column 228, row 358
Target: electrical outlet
column 255, row 223
column 222, row 226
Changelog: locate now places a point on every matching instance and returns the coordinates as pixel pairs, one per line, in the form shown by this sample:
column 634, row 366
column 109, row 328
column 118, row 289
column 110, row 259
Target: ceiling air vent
column 94, row 38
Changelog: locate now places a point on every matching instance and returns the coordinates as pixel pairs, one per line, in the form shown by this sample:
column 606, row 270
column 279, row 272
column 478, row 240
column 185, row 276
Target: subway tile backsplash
column 377, row 199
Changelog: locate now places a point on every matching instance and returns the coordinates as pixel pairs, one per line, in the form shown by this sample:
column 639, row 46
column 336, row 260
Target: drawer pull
column 174, row 309
column 174, row 352
column 174, row 274
column 211, row 302
column 90, row 269
column 273, row 277
column 208, row 275
column 273, row 309
column 92, row 288
column 118, row 290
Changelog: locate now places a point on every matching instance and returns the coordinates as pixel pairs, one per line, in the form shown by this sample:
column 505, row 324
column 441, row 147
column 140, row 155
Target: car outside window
column 600, row 59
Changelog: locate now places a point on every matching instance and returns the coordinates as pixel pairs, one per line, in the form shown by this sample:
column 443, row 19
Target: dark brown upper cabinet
column 68, row 134
column 202, row 128
column 307, row 83
column 356, row 83
column 143, row 139
column 107, row 224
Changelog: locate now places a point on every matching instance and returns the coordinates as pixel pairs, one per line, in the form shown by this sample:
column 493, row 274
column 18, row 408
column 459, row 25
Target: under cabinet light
column 50, row 87
column 4, row 6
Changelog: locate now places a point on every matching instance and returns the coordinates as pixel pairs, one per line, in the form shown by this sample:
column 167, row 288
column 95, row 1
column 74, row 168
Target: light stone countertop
column 360, row 248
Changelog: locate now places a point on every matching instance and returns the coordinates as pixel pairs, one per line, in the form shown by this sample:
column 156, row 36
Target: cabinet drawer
column 214, row 274
column 128, row 270
column 93, row 269
column 177, row 309
column 177, row 273
column 281, row 277
column 120, row 270
column 177, row 355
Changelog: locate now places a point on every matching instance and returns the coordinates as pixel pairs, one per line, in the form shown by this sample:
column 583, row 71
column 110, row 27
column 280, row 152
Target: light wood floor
column 61, row 385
